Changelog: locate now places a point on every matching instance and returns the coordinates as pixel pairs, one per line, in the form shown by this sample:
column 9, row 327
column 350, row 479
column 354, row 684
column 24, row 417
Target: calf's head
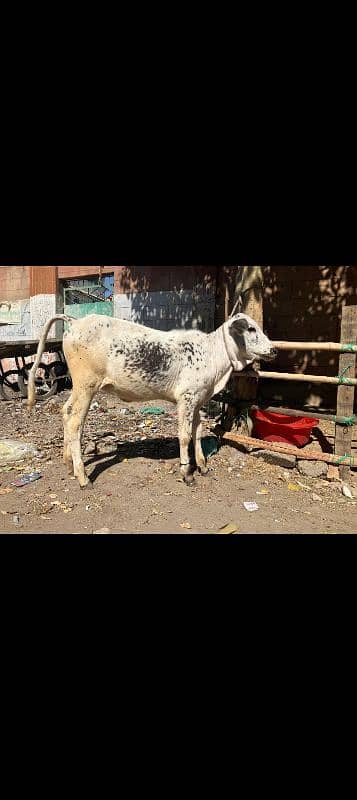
column 250, row 340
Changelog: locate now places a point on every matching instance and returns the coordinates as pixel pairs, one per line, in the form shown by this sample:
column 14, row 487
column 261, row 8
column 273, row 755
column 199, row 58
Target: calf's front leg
column 196, row 435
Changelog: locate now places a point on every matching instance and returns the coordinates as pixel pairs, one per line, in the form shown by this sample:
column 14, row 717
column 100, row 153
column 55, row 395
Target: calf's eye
column 251, row 330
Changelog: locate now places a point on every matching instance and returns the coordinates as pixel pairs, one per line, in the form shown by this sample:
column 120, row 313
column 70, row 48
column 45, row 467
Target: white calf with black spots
column 138, row 363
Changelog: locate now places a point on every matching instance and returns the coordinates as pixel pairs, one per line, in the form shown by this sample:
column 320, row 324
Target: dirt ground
column 133, row 460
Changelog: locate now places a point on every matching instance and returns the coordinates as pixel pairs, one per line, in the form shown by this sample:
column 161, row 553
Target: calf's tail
column 31, row 393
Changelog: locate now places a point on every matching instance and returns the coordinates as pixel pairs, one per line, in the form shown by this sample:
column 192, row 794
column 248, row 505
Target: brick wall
column 161, row 297
column 81, row 272
column 164, row 279
column 305, row 304
column 23, row 282
column 14, row 283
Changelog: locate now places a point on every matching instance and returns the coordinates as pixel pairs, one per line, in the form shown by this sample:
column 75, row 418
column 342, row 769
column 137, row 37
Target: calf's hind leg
column 185, row 421
column 67, row 454
column 196, row 435
column 76, row 413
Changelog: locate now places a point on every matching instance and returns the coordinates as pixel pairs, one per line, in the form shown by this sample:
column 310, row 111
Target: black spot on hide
column 150, row 359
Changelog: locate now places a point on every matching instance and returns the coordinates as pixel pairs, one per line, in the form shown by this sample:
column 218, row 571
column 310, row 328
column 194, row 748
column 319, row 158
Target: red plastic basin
column 279, row 428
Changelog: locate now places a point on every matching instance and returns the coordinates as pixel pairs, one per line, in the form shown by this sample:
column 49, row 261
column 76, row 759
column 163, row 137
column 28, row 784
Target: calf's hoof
column 86, row 485
column 203, row 470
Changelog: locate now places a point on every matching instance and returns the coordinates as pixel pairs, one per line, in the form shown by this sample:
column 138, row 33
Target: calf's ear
column 238, row 325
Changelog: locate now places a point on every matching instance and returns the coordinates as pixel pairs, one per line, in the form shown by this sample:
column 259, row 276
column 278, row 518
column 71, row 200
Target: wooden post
column 252, row 293
column 250, row 287
column 225, row 293
column 345, row 394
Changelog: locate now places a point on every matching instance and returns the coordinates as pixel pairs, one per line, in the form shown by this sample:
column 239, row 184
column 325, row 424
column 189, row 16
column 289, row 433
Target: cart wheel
column 45, row 383
column 59, row 372
column 9, row 384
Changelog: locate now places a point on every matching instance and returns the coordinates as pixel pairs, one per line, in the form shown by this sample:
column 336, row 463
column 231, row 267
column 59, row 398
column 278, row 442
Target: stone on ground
column 312, row 469
column 333, row 473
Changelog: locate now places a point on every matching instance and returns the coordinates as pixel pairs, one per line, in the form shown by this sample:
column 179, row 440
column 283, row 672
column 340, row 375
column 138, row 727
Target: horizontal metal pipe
column 290, row 376
column 329, row 346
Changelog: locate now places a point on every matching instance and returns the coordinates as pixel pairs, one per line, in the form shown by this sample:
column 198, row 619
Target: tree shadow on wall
column 166, row 298
column 305, row 304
